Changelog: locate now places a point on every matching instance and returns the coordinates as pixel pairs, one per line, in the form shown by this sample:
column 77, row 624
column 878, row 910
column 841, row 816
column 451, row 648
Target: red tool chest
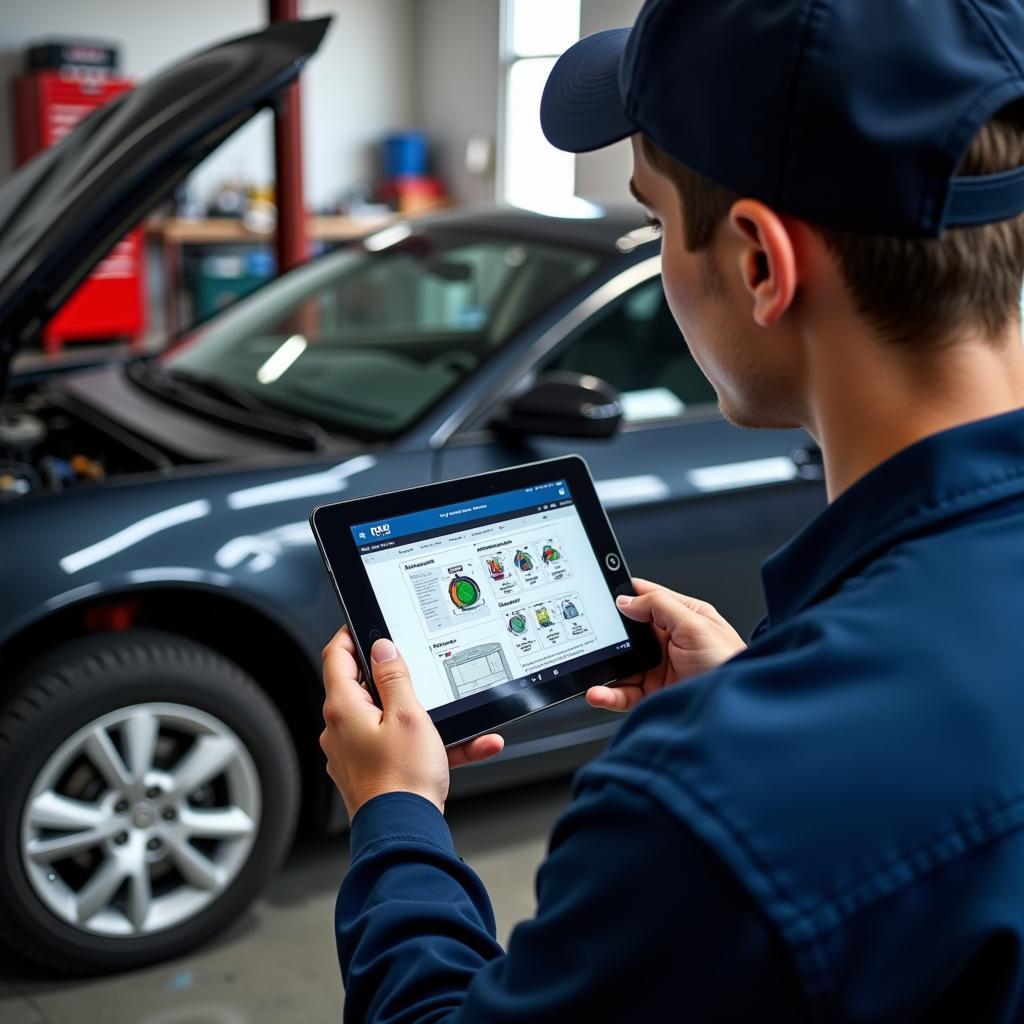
column 110, row 302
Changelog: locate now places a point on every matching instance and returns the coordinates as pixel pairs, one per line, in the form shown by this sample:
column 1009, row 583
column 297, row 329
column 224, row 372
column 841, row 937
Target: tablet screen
column 488, row 596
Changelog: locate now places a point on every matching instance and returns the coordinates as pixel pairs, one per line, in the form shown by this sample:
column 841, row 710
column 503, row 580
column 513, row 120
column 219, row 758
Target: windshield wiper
column 223, row 389
column 226, row 403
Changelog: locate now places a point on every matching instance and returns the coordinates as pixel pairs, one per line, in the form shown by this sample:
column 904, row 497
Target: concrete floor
column 277, row 965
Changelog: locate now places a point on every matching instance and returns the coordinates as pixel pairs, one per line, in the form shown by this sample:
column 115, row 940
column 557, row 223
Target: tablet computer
column 498, row 590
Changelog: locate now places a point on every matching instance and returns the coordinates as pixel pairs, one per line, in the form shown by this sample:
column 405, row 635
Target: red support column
column 292, row 238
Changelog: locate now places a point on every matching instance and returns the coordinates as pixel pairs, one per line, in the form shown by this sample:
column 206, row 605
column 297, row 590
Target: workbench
column 173, row 234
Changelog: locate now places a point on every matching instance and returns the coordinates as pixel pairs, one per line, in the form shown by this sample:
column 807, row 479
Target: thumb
column 662, row 609
column 390, row 674
column 634, row 607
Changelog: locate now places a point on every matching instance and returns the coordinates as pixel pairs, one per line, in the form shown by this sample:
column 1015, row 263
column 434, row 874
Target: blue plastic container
column 405, row 153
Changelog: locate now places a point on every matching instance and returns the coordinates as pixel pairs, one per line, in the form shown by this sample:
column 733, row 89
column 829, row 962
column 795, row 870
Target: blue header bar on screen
column 453, row 516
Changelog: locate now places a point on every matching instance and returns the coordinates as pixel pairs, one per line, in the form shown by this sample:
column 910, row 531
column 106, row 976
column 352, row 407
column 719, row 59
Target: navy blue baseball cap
column 846, row 113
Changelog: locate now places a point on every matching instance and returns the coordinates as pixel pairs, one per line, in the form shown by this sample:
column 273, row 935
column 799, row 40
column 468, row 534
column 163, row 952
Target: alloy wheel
column 140, row 820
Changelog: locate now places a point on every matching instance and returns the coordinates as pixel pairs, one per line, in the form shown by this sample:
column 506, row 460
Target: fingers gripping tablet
column 498, row 589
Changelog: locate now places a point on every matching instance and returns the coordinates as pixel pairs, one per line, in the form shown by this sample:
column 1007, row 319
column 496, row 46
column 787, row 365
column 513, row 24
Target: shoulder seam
column 594, row 772
column 955, row 843
column 804, row 934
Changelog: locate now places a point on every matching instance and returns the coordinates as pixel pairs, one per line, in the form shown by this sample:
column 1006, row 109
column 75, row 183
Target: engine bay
column 49, row 442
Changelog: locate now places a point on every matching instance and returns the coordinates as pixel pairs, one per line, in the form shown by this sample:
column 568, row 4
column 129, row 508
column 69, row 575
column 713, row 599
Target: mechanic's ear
column 767, row 259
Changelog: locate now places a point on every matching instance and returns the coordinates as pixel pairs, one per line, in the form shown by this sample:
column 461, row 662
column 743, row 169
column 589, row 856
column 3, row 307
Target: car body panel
column 678, row 494
column 242, row 530
column 696, row 503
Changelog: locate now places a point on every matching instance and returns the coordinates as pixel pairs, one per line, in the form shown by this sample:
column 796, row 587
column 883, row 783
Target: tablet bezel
column 332, row 524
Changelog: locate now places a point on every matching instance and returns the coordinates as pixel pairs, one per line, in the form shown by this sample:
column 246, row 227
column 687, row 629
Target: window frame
column 469, row 425
column 508, row 57
column 689, row 409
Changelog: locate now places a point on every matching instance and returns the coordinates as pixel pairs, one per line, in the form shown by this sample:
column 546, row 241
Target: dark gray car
column 162, row 604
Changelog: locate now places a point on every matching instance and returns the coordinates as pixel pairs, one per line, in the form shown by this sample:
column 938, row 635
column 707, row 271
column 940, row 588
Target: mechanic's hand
column 397, row 750
column 693, row 639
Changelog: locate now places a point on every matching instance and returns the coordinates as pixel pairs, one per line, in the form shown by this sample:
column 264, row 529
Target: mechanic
column 828, row 824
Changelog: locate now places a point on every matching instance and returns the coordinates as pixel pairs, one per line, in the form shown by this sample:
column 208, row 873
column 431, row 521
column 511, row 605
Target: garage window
column 532, row 172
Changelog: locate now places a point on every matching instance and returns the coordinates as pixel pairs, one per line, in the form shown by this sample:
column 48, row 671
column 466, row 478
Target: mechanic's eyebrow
column 637, row 194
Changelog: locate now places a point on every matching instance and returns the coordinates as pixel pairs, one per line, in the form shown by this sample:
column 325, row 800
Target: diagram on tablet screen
column 523, row 614
column 476, row 668
column 448, row 591
column 494, row 603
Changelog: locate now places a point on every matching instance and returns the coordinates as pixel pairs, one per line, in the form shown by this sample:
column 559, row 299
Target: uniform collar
column 936, row 479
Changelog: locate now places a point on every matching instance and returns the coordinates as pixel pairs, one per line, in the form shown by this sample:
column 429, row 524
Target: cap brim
column 582, row 107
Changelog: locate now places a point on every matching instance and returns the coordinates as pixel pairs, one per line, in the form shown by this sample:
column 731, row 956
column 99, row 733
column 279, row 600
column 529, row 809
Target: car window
column 367, row 341
column 455, row 292
column 635, row 345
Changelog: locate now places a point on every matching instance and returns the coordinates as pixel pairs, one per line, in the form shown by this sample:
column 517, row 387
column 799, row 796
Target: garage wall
column 459, row 81
column 604, row 175
column 432, row 64
column 458, row 72
column 361, row 79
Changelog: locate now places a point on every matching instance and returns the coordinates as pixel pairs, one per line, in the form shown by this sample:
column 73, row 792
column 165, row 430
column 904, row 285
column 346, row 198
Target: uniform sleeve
column 636, row 920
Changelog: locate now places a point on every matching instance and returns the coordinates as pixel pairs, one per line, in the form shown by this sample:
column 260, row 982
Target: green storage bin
column 223, row 279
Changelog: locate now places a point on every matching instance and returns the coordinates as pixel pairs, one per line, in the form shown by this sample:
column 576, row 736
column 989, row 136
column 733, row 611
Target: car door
column 696, row 503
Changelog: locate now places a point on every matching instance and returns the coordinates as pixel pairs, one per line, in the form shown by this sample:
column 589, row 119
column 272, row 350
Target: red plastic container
column 110, row 302
column 412, row 193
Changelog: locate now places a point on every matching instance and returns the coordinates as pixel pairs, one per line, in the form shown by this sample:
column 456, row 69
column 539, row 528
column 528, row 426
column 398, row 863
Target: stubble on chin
column 755, row 421
column 736, row 419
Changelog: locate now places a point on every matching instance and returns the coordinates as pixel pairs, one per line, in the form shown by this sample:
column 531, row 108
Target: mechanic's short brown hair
column 910, row 290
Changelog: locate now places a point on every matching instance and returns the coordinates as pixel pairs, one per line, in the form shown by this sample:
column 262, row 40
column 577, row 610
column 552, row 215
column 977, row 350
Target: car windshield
column 366, row 341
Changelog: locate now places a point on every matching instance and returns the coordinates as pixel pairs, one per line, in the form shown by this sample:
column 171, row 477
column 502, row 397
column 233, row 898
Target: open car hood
column 63, row 211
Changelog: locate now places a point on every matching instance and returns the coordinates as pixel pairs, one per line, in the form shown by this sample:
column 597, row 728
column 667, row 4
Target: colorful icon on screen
column 524, row 563
column 463, row 591
column 517, row 624
column 569, row 610
column 550, row 554
column 496, row 568
column 543, row 616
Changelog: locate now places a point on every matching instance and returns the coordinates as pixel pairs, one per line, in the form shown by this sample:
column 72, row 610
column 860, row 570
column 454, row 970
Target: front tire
column 150, row 790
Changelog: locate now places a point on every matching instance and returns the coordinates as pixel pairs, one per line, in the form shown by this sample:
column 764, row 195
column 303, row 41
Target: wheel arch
column 235, row 628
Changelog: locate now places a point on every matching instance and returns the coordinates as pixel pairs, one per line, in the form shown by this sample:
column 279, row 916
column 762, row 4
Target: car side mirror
column 563, row 404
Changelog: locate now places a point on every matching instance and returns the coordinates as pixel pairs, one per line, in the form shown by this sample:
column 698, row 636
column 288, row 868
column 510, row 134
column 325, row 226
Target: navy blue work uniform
column 829, row 827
